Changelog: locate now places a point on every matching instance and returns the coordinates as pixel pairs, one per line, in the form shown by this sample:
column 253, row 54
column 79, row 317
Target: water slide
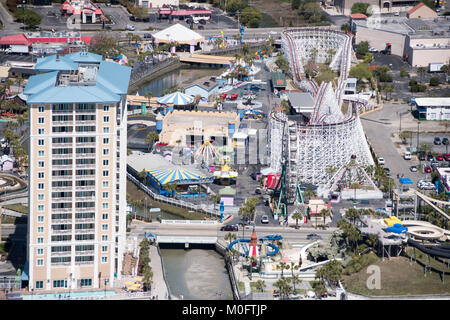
column 424, row 230
column 244, row 245
column 432, row 201
column 441, row 251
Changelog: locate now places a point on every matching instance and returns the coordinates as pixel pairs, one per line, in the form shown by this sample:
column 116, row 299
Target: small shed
column 278, row 81
column 204, row 87
column 227, row 195
column 6, row 162
column 421, row 11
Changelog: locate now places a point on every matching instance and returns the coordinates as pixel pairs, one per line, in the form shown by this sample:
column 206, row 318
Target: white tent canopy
column 178, row 33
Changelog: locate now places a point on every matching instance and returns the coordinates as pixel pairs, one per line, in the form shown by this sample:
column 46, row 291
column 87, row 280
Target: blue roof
column 111, row 81
column 405, row 181
column 50, row 63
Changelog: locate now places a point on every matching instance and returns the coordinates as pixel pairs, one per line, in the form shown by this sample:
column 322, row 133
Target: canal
column 196, row 274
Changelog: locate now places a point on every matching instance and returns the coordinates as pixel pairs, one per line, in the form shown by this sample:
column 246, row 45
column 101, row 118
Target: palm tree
column 297, row 216
column 421, row 71
column 295, row 279
column 352, row 214
column 149, row 96
column 151, row 137
column 148, row 276
column 330, row 170
column 309, row 193
column 214, row 198
column 283, row 266
column 325, row 213
column 283, row 287
column 260, row 285
column 230, row 237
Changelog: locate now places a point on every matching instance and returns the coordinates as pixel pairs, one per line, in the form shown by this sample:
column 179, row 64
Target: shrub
column 412, row 82
column 434, row 81
column 403, row 73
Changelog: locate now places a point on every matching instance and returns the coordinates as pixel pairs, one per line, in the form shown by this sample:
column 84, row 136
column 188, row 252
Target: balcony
column 85, row 176
column 85, row 220
column 62, row 178
column 85, row 144
column 85, row 209
column 84, row 231
column 65, row 111
column 91, row 187
column 63, row 199
column 62, row 123
column 65, row 188
column 88, row 198
column 62, row 144
column 58, row 210
column 85, row 155
column 62, row 166
column 61, row 263
column 81, row 111
column 61, row 221
column 69, row 231
column 84, row 252
column 62, row 156
column 85, row 166
column 61, row 253
column 84, row 262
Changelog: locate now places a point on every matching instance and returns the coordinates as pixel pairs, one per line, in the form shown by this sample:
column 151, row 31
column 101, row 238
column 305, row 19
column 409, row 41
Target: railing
column 61, row 231
column 62, row 156
column 175, row 202
column 138, row 76
column 56, row 210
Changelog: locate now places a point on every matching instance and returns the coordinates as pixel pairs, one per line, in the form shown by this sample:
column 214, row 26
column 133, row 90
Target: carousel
column 176, row 100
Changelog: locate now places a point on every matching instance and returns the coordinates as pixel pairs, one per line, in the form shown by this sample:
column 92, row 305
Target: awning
column 405, row 181
column 25, row 272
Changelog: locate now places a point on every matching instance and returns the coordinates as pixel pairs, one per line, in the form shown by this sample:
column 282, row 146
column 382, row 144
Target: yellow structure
column 392, row 220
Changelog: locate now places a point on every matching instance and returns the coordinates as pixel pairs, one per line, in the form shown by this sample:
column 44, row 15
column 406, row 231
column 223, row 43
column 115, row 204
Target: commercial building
column 419, row 41
column 378, row 6
column 77, row 203
column 421, row 11
column 157, row 3
column 433, row 108
column 87, row 10
column 205, row 87
column 190, row 128
column 302, row 102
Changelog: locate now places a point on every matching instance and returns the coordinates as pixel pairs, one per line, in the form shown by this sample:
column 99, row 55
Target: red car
column 224, row 96
column 427, row 169
column 234, row 96
column 447, row 157
column 439, row 157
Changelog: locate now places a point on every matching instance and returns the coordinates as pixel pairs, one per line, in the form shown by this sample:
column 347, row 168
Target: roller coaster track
column 432, row 202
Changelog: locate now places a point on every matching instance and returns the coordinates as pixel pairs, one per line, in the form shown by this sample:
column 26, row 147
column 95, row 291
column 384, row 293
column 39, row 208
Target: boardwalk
column 159, row 287
column 208, row 59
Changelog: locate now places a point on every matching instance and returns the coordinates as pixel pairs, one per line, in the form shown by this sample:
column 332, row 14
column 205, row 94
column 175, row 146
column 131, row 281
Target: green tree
column 28, row 17
column 230, row 237
column 283, row 266
column 345, row 27
column 284, row 289
column 282, row 63
column 325, row 213
column 260, row 285
column 360, row 7
column 104, row 45
column 294, row 279
column 148, row 276
column 434, row 81
column 361, row 71
column 331, row 271
column 421, row 71
column 250, row 17
column 363, row 48
column 151, row 137
column 297, row 216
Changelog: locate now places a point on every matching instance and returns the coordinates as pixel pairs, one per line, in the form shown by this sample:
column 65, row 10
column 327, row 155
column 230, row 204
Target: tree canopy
column 105, row 46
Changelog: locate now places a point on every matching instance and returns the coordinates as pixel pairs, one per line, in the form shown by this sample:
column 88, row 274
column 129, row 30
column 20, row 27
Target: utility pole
column 418, row 130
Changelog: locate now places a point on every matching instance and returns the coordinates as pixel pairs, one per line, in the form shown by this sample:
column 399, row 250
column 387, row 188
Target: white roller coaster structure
column 330, row 137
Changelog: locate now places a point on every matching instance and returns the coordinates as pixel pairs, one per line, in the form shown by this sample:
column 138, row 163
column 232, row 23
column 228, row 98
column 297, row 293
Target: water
column 66, row 295
column 153, row 215
column 177, row 77
column 196, row 274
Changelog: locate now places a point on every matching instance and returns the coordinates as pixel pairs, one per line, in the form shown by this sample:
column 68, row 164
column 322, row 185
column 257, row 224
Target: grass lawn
column 17, row 207
column 136, row 193
column 398, row 277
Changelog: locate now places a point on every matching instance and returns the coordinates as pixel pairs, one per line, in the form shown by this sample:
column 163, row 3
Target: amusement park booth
column 227, row 195
column 178, row 34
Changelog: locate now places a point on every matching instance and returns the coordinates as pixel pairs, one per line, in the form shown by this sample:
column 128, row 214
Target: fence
column 234, row 49
column 138, row 76
column 10, row 282
column 174, row 202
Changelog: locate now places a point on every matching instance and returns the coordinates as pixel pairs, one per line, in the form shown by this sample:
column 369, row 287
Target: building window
column 40, row 142
column 40, row 196
column 106, row 119
column 39, row 284
column 85, row 282
column 105, row 205
column 40, row 218
column 40, row 164
column 40, row 240
column 105, row 195
column 105, row 140
column 106, row 162
column 41, row 109
column 40, row 229
column 40, row 251
column 59, row 283
column 106, row 130
column 105, row 173
column 40, row 207
column 40, row 175
column 105, row 184
column 40, row 153
column 41, row 131
column 104, row 248
column 40, row 186
column 41, row 120
column 104, row 259
column 105, row 216
column 40, row 262
column 106, row 108
column 104, row 227
column 104, row 237
column 105, row 152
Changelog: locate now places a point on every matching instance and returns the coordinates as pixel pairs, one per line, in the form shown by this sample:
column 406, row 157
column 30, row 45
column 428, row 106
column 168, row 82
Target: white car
column 130, row 27
column 373, row 50
column 381, row 161
column 264, row 219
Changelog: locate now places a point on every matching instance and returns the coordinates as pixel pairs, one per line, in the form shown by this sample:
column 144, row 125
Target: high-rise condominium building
column 77, row 176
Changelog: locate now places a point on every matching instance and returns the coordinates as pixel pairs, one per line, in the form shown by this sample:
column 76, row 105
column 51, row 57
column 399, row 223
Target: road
column 291, row 234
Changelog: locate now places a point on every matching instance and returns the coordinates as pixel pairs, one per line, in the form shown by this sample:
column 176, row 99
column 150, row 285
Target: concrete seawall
column 221, row 248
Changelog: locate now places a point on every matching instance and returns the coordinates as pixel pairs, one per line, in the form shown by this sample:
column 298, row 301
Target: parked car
column 258, row 191
column 312, row 236
column 413, row 169
column 201, row 27
column 440, row 157
column 265, row 219
column 437, row 141
column 422, row 156
column 428, row 169
column 108, row 4
column 373, row 50
column 430, row 157
column 388, row 171
column 434, row 163
column 147, row 36
column 381, row 161
column 445, row 141
column 447, row 157
column 229, row 227
column 130, row 27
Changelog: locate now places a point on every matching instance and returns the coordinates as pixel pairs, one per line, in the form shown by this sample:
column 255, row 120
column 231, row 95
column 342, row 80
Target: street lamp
column 145, row 206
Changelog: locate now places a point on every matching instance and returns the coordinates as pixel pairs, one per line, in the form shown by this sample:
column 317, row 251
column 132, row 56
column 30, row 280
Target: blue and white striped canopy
column 171, row 175
column 176, row 98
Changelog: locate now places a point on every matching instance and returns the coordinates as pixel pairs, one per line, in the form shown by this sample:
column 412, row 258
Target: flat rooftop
column 416, row 28
column 209, row 119
column 433, row 102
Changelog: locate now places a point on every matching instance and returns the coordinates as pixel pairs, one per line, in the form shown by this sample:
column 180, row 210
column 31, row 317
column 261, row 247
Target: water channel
column 196, row 274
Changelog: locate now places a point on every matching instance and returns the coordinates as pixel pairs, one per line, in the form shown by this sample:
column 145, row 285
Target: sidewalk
column 159, row 287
